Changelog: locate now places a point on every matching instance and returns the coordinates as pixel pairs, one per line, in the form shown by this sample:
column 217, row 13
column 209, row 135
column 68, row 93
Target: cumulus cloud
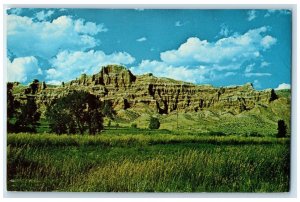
column 141, row 39
column 26, row 37
column 201, row 61
column 237, row 48
column 162, row 69
column 43, row 15
column 20, row 68
column 283, row 86
column 268, row 41
column 68, row 65
column 251, row 15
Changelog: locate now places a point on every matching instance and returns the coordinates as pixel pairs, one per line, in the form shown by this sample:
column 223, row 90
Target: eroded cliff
column 163, row 95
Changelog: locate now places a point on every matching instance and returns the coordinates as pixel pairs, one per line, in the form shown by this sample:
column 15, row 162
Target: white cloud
column 68, row 65
column 268, row 41
column 277, row 11
column 225, row 31
column 54, row 82
column 257, row 74
column 200, row 61
column 20, row 68
column 283, row 86
column 234, row 49
column 161, row 69
column 251, row 15
column 141, row 39
column 43, row 15
column 256, row 84
column 264, row 64
column 26, row 37
column 249, row 68
column 88, row 27
column 230, row 74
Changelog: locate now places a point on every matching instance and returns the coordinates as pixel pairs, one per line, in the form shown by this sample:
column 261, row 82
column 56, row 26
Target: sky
column 217, row 47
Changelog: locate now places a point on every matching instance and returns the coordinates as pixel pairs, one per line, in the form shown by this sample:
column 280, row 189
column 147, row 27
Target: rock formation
column 163, row 95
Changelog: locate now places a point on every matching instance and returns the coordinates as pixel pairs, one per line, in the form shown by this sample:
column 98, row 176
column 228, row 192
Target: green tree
column 12, row 107
column 28, row 118
column 154, row 123
column 75, row 113
column 34, row 86
column 282, row 128
column 273, row 95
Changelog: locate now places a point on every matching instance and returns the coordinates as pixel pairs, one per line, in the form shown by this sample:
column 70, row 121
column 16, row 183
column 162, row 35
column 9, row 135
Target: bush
column 281, row 129
column 154, row 123
column 109, row 123
column 133, row 125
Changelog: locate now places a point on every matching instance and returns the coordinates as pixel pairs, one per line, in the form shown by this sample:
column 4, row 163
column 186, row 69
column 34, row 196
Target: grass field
column 158, row 161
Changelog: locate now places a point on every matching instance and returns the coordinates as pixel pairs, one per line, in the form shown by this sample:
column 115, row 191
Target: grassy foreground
column 147, row 163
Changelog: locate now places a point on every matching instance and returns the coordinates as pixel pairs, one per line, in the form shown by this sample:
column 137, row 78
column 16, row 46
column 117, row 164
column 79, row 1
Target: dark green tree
column 28, row 118
column 34, row 86
column 75, row 113
column 10, row 101
column 273, row 95
column 12, row 107
column 60, row 120
column 281, row 129
column 154, row 123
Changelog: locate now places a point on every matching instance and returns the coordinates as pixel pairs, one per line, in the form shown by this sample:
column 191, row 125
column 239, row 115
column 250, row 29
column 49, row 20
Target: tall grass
column 40, row 140
column 143, row 163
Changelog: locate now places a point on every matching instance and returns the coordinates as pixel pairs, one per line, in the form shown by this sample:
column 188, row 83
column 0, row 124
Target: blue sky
column 218, row 47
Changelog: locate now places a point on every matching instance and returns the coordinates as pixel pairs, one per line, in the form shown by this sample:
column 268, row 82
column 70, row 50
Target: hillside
column 198, row 108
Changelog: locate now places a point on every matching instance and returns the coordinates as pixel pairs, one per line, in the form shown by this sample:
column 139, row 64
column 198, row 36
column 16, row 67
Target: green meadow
column 147, row 161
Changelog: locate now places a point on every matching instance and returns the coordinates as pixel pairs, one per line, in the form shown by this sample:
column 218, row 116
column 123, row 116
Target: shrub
column 109, row 123
column 154, row 123
column 133, row 125
column 281, row 129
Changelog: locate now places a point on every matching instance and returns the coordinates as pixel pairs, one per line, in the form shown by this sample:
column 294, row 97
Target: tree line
column 78, row 112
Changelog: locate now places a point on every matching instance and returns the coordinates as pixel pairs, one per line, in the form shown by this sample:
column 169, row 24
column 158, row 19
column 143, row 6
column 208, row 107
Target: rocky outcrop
column 125, row 90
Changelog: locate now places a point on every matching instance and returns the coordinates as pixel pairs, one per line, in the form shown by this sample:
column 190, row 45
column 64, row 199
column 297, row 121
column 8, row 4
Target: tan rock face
column 125, row 90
